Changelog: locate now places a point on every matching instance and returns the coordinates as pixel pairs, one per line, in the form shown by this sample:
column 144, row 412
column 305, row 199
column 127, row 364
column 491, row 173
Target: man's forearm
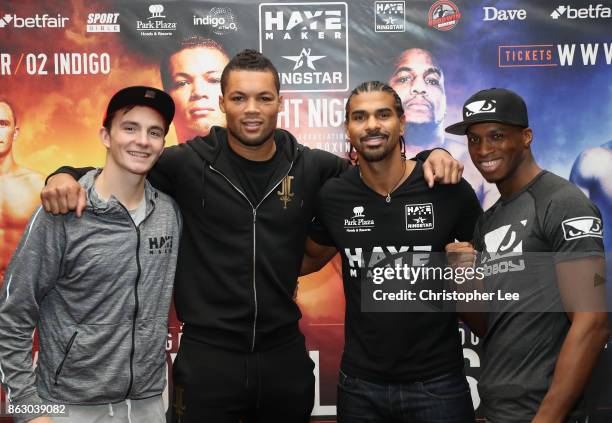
column 583, row 344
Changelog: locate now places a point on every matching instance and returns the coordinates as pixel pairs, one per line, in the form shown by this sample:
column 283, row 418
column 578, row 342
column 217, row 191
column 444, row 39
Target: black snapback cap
column 143, row 96
column 492, row 105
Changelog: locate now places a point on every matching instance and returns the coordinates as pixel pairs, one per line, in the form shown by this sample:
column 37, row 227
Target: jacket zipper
column 136, row 301
column 68, row 347
column 254, row 238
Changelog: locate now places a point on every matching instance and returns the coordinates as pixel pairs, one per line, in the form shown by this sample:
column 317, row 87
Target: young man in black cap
column 542, row 241
column 97, row 288
column 397, row 365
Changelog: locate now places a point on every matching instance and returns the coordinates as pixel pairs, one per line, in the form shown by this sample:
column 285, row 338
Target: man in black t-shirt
column 396, row 366
column 542, row 241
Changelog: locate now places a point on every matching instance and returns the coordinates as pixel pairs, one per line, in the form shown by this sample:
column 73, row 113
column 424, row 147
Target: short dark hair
column 250, row 60
column 192, row 41
column 10, row 106
column 108, row 119
column 374, row 86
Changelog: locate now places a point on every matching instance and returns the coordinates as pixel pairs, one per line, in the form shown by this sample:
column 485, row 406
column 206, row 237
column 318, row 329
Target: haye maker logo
column 592, row 12
column 294, row 35
column 36, row 21
column 389, row 16
column 419, row 217
column 443, row 15
column 160, row 244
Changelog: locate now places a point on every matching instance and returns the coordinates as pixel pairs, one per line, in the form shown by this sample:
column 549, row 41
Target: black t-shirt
column 254, row 176
column 522, row 237
column 394, row 346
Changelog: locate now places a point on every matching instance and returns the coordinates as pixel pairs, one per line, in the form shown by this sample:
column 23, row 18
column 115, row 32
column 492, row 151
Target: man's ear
column 527, row 137
column 221, row 105
column 104, row 137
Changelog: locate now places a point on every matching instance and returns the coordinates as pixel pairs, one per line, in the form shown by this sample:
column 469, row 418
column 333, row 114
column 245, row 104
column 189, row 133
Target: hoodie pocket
column 58, row 371
column 96, row 364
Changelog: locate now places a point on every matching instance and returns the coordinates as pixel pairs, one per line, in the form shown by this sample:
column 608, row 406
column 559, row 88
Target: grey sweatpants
column 150, row 410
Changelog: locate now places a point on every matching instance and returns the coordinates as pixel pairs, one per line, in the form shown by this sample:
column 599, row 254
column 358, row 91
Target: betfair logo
column 285, row 194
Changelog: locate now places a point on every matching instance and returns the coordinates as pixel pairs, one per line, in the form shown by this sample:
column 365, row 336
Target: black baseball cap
column 492, row 105
column 142, row 96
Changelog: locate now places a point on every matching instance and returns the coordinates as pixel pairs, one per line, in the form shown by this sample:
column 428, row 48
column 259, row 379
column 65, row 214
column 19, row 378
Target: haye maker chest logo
column 294, row 36
column 160, row 244
column 419, row 217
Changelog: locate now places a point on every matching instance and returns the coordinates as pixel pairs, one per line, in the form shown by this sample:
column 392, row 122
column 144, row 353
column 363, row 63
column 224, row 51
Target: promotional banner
column 61, row 61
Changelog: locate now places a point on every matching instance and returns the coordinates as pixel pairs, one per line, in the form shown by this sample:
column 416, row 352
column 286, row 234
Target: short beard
column 376, row 156
column 254, row 143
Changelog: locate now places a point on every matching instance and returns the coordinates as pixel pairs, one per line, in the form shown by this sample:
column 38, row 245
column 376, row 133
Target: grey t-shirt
column 521, row 239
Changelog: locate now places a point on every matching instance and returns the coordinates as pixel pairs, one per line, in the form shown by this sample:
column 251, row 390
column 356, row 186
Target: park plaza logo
column 389, row 16
column 156, row 24
column 592, row 12
column 358, row 222
column 103, row 22
column 419, row 217
column 37, row 21
column 293, row 35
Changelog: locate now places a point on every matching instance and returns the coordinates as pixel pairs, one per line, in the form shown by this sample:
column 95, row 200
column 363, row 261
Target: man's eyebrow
column 428, row 71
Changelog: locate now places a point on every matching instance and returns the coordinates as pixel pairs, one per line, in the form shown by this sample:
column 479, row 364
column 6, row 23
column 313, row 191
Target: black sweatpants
column 221, row 386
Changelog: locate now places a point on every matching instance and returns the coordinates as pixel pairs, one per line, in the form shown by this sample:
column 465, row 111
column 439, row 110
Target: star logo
column 304, row 59
column 419, row 219
column 389, row 21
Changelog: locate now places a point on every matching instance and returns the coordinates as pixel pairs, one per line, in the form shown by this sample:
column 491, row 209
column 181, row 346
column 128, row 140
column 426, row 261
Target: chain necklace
column 388, row 197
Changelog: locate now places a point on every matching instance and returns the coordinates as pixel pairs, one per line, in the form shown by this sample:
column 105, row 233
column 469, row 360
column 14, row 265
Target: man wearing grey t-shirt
column 542, row 242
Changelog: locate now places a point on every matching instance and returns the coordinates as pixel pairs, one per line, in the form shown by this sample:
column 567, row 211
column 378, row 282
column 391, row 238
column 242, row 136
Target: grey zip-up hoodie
column 98, row 288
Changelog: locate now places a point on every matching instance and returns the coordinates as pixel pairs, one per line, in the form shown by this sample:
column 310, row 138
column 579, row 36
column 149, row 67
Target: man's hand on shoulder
column 63, row 194
column 441, row 167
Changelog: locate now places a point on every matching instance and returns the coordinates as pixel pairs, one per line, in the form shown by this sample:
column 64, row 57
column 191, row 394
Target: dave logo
column 160, row 244
column 582, row 227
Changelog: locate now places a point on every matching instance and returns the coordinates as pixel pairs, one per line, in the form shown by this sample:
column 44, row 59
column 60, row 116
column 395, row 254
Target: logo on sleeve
column 582, row 227
column 419, row 217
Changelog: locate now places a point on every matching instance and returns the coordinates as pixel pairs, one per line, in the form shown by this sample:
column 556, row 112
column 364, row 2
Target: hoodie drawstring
column 129, row 410
column 110, row 410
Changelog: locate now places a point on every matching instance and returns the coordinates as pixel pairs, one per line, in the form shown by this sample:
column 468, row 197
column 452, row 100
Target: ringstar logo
column 103, row 22
column 419, row 217
column 480, row 106
column 304, row 59
column 443, row 15
column 306, row 29
column 156, row 23
column 389, row 16
column 592, row 12
column 582, row 227
column 36, row 21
